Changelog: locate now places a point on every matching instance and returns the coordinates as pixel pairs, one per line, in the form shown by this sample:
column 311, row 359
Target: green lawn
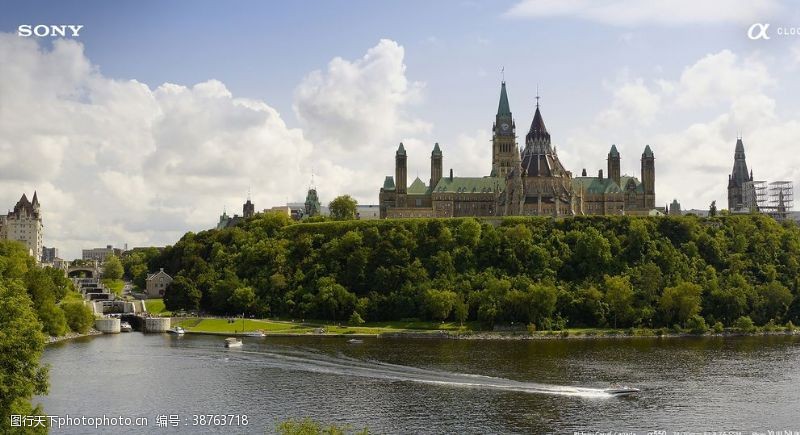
column 249, row 325
column 156, row 306
column 115, row 285
column 280, row 326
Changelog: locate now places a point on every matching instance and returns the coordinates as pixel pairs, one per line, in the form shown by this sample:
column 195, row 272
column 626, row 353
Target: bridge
column 88, row 271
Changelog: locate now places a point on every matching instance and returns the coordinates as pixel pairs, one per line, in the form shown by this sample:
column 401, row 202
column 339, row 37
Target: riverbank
column 429, row 330
column 72, row 335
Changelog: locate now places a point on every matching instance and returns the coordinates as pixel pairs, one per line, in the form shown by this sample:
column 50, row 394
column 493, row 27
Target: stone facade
column 24, row 224
column 531, row 181
column 157, row 283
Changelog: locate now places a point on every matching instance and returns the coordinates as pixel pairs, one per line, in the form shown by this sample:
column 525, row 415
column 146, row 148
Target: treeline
column 31, row 306
column 577, row 272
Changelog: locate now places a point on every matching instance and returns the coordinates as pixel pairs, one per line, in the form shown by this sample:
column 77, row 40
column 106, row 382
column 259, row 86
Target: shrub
column 744, row 324
column 719, row 327
column 79, row 317
column 789, row 326
column 532, row 328
column 355, row 319
column 697, row 324
column 771, row 326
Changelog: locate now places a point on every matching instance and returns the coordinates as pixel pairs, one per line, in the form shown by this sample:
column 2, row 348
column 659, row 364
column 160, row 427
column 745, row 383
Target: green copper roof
column 469, row 184
column 401, row 151
column 436, row 151
column 613, row 152
column 623, row 183
column 418, row 187
column 647, row 151
column 595, row 185
column 388, row 183
column 503, row 108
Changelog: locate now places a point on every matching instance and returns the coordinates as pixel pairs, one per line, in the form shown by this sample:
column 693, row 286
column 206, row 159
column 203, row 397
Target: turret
column 649, row 177
column 613, row 164
column 400, row 170
column 436, row 165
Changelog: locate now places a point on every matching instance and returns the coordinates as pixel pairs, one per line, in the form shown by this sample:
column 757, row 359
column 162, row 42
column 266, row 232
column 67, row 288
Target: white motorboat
column 125, row 327
column 177, row 330
column 622, row 391
column 355, row 341
column 233, row 342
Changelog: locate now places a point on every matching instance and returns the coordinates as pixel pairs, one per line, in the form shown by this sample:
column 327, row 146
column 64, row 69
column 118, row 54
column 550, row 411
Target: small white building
column 156, row 284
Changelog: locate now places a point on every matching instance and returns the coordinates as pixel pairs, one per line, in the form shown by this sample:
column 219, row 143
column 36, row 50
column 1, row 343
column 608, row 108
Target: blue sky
column 682, row 76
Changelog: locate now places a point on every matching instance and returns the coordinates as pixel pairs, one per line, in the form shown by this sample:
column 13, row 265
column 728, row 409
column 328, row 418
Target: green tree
column 355, row 319
column 182, row 294
column 619, row 297
column 773, row 302
column 112, row 268
column 744, row 324
column 54, row 322
column 681, row 302
column 79, row 317
column 439, row 303
column 543, row 303
column 333, row 301
column 21, row 346
column 243, row 300
column 343, row 207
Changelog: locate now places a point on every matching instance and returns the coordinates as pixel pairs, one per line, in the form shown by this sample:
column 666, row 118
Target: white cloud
column 115, row 161
column 631, row 13
column 362, row 104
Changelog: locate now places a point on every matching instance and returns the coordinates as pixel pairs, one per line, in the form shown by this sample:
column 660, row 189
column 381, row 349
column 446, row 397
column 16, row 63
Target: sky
column 160, row 115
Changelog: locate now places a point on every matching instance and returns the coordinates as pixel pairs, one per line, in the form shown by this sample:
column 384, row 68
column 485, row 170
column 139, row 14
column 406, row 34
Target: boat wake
column 346, row 366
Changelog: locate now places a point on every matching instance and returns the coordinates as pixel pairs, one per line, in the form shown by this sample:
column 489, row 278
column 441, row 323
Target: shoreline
column 71, row 336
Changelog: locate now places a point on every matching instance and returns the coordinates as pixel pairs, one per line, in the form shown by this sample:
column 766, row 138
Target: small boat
column 622, row 391
column 355, row 341
column 125, row 327
column 177, row 330
column 255, row 334
column 233, row 342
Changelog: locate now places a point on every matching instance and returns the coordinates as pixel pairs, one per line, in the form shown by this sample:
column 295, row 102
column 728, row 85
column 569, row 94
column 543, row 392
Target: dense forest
column 548, row 273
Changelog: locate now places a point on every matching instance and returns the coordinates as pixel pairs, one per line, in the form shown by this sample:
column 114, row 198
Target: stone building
column 156, row 284
column 531, row 181
column 24, row 224
column 100, row 254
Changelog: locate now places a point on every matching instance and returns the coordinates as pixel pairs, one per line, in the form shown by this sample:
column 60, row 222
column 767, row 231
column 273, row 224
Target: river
column 429, row 385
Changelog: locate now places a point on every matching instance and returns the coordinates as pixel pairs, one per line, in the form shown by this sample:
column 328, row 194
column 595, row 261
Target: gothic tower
column 400, row 175
column 738, row 178
column 504, row 145
column 649, row 178
column 436, row 166
column 613, row 165
column 248, row 209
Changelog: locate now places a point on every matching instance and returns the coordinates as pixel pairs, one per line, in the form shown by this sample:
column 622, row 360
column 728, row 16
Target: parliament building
column 530, row 181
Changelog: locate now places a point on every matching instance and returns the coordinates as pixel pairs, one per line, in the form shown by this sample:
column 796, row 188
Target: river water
column 428, row 385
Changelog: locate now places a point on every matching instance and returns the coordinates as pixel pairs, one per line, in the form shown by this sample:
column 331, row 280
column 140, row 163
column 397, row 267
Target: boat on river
column 355, row 341
column 622, row 391
column 125, row 327
column 177, row 330
column 233, row 342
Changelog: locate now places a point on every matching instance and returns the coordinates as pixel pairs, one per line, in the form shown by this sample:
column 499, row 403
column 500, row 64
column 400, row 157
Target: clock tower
column 504, row 140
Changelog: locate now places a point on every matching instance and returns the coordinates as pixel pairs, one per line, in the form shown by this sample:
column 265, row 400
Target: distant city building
column 674, row 208
column 368, row 211
column 49, row 254
column 282, row 209
column 101, row 254
column 24, row 224
column 532, row 181
column 156, row 284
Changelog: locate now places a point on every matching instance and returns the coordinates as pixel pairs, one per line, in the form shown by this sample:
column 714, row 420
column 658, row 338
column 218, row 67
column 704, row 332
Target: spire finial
column 248, row 193
column 537, row 96
column 312, row 186
column 503, row 73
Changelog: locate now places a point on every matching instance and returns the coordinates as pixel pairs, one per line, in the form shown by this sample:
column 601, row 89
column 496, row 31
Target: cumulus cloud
column 116, row 161
column 630, row 13
column 355, row 105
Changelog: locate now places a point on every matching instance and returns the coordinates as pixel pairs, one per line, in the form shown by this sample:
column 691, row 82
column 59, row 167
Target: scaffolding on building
column 781, row 198
column 754, row 196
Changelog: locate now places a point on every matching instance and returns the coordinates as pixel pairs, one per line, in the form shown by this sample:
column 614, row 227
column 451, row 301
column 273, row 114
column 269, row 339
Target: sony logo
column 53, row 30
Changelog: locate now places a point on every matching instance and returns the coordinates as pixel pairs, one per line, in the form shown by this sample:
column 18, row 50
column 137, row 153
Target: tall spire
column 503, row 109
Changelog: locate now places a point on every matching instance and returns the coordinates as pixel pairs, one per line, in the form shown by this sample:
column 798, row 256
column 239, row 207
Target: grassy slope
column 115, row 285
column 156, row 306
